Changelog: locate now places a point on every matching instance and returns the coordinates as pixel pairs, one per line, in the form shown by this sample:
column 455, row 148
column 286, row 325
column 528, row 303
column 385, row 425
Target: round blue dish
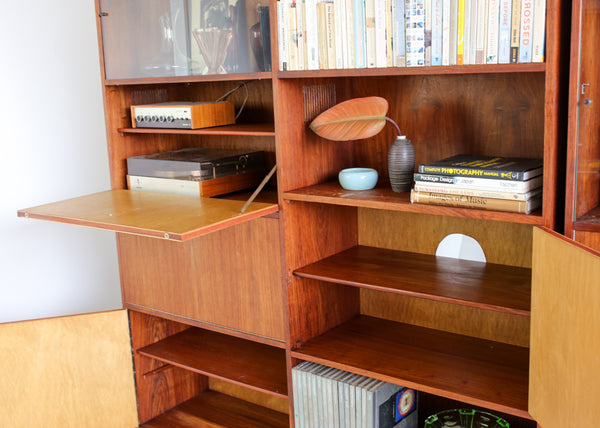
column 358, row 178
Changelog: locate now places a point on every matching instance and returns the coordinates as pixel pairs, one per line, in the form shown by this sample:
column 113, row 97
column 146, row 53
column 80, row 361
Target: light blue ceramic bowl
column 358, row 178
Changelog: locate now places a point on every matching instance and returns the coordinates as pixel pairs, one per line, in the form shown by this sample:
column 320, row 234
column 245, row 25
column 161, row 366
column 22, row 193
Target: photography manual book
column 493, row 167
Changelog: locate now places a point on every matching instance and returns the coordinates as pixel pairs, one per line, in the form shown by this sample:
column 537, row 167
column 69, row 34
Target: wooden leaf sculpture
column 352, row 120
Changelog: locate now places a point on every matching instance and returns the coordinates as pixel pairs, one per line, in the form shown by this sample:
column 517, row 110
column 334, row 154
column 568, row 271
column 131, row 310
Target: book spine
column 467, row 32
column 282, row 36
column 415, row 33
column 292, row 37
column 504, row 32
column 360, row 33
column 445, row 32
column 322, row 34
column 331, row 36
column 460, row 33
column 311, row 36
column 380, row 42
column 515, row 31
column 462, row 201
column 371, row 44
column 492, row 32
column 265, row 26
column 428, row 27
column 455, row 190
column 526, row 30
column 473, row 32
column 399, row 35
column 340, row 32
column 350, row 44
column 453, row 30
column 436, row 32
column 481, row 32
column 472, row 172
column 390, row 11
column 481, row 183
column 539, row 31
column 300, row 34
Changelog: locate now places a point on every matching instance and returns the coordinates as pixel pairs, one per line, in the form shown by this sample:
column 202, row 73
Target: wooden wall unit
column 222, row 305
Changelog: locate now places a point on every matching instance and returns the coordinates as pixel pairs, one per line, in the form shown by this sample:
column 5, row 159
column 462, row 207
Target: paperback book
column 482, row 183
column 456, row 190
column 497, row 167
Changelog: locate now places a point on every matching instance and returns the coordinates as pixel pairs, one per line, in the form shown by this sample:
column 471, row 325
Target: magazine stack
column 482, row 182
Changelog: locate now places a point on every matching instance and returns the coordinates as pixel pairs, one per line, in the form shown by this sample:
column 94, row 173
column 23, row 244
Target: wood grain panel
column 67, row 372
column 230, row 278
column 159, row 386
column 590, row 239
column 272, row 402
column 312, row 232
column 503, row 243
column 565, row 346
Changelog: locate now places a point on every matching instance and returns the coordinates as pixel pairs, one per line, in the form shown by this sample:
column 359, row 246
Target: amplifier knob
column 170, row 119
column 139, row 118
column 161, row 118
column 154, row 118
column 147, row 118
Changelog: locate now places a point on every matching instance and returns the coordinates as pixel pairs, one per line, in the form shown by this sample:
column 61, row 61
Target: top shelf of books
column 381, row 34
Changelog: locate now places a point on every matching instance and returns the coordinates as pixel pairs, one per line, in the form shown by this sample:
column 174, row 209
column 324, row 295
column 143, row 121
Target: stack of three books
column 482, row 182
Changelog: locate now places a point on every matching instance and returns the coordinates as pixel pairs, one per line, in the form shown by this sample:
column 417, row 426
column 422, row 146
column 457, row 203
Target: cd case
column 196, row 163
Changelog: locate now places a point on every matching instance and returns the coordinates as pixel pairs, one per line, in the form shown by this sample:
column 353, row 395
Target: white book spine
column 371, row 46
column 311, row 36
column 390, row 10
column 428, row 29
column 301, row 33
column 282, row 34
column 492, row 33
column 526, row 30
column 360, row 33
column 473, row 35
column 453, row 31
column 399, row 34
column 467, row 32
column 539, row 31
column 380, row 24
column 504, row 32
column 340, row 31
column 350, row 35
column 481, row 32
column 436, row 32
column 446, row 32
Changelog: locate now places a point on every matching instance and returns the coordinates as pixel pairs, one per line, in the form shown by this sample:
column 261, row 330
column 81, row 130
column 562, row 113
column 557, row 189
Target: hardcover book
column 455, row 190
column 502, row 168
column 482, row 183
column 464, row 201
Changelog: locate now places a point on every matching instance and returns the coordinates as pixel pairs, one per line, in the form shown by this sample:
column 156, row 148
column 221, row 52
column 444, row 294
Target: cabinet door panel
column 564, row 383
column 230, row 278
column 72, row 371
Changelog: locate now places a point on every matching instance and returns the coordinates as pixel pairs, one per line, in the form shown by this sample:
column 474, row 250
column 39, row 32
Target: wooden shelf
column 190, row 79
column 159, row 215
column 482, row 285
column 245, row 129
column 218, row 410
column 228, row 358
column 399, row 71
column 479, row 372
column 383, row 197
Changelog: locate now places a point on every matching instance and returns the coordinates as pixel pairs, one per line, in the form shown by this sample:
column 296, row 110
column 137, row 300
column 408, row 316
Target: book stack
column 484, row 182
column 328, row 397
column 336, row 34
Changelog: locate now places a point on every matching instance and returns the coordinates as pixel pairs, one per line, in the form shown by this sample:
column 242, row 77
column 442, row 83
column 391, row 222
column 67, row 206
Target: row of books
column 484, row 182
column 329, row 397
column 337, row 34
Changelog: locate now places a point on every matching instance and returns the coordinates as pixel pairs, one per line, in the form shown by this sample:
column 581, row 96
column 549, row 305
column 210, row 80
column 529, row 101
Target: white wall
column 53, row 144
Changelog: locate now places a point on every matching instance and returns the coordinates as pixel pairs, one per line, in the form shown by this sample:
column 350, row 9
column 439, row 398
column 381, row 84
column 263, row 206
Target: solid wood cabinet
column 222, row 305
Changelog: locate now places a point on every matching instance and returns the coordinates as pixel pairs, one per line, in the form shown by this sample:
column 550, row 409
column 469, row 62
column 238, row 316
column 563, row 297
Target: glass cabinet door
column 166, row 38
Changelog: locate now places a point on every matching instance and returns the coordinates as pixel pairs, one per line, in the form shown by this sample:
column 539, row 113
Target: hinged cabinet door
column 71, row 371
column 564, row 385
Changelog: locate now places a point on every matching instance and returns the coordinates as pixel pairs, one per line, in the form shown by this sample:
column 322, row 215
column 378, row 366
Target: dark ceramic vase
column 401, row 164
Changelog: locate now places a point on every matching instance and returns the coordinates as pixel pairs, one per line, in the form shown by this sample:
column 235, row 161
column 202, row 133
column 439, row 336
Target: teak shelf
column 474, row 371
column 382, row 197
column 249, row 364
column 478, row 284
column 246, row 129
